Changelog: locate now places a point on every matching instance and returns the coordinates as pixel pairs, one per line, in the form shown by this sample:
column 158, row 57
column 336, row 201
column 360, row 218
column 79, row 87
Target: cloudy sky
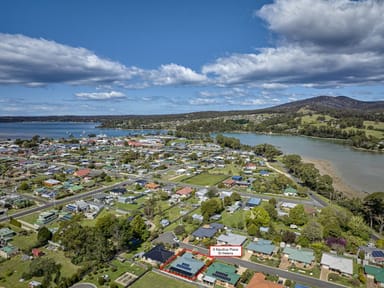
column 172, row 56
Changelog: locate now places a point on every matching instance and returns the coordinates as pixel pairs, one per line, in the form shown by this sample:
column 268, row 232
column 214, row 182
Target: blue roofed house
column 262, row 248
column 186, row 265
column 303, row 258
column 207, row 231
column 253, row 202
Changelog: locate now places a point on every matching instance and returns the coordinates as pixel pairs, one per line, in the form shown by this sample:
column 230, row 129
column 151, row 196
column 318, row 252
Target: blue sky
column 173, row 56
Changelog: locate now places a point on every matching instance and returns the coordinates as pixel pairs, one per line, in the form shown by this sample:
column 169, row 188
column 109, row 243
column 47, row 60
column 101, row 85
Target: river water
column 363, row 171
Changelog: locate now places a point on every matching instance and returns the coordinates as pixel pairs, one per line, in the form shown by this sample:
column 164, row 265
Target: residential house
column 186, row 265
column 228, row 183
column 337, row 263
column 51, row 182
column 6, row 234
column 287, row 205
column 289, row 191
column 46, row 217
column 373, row 255
column 201, row 194
column 157, row 255
column 223, row 275
column 186, row 191
column 262, row 248
column 152, row 186
column 253, row 202
column 234, row 207
column 302, row 258
column 375, row 273
column 198, row 217
column 258, row 281
column 231, row 239
column 82, row 172
column 264, row 173
column 118, row 191
column 237, row 178
column 8, row 251
column 168, row 238
column 207, row 231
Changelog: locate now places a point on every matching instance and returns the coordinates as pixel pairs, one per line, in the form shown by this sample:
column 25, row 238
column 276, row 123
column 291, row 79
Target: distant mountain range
column 319, row 103
column 333, row 103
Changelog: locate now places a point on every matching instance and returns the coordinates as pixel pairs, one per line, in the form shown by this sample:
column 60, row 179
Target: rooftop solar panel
column 378, row 254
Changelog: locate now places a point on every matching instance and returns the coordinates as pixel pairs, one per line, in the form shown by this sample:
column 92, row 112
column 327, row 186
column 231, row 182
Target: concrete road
column 298, row 278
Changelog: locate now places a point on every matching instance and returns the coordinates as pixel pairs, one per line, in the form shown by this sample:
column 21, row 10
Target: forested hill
column 324, row 103
column 341, row 104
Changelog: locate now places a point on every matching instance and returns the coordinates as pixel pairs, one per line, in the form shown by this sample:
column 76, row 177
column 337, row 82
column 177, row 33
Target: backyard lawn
column 154, row 280
column 206, row 179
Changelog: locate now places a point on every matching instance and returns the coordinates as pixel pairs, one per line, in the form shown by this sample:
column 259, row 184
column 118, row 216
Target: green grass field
column 155, row 280
column 15, row 267
column 113, row 274
column 206, row 179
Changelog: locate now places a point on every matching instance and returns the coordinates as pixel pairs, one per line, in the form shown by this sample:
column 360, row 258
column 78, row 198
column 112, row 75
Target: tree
column 271, row 211
column 258, row 216
column 297, row 215
column 235, row 197
column 313, row 231
column 288, row 237
column 357, row 227
column 212, row 192
column 106, row 224
column 252, row 229
column 211, row 207
column 24, row 186
column 179, row 230
column 43, row 236
column 139, row 229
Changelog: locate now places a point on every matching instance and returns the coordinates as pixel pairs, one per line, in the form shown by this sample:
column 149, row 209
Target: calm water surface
column 26, row 130
column 362, row 170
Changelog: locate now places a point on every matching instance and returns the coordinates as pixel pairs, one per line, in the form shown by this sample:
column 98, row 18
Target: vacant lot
column 155, row 280
column 206, row 179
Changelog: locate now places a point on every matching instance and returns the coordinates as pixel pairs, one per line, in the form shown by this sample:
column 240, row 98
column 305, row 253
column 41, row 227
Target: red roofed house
column 258, row 281
column 82, row 172
column 185, row 191
column 152, row 186
column 229, row 183
column 134, row 144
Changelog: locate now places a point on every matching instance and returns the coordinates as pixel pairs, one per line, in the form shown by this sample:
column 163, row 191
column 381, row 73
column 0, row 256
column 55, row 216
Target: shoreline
column 339, row 184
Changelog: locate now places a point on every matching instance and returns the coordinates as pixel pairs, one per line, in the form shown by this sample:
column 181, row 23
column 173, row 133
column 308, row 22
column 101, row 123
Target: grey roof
column 209, row 231
column 341, row 264
column 232, row 239
column 166, row 238
column 262, row 246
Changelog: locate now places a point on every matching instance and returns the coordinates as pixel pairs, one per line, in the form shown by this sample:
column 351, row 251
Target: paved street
column 298, row 278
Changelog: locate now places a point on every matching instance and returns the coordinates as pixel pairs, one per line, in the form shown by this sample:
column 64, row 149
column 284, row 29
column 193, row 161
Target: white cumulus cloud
column 111, row 95
column 321, row 43
column 31, row 61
